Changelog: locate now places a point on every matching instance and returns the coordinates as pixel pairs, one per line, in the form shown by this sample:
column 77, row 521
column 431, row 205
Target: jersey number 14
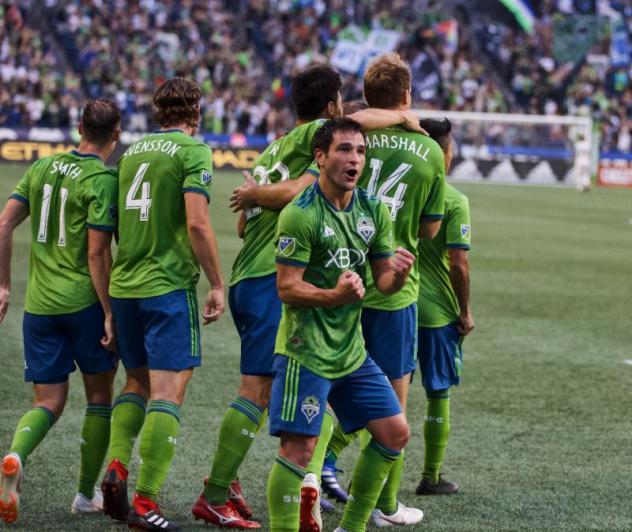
column 391, row 191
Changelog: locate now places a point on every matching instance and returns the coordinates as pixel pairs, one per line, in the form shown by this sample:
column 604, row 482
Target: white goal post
column 519, row 148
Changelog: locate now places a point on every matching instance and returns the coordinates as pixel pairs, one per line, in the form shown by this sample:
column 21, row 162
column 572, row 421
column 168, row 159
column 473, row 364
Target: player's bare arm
column 390, row 274
column 460, row 281
column 100, row 266
column 293, row 290
column 14, row 213
column 373, row 118
column 271, row 196
column 241, row 225
column 204, row 246
column 428, row 228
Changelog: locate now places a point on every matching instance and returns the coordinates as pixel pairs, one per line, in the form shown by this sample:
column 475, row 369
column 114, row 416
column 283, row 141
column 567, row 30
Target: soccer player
column 407, row 172
column 284, row 169
column 165, row 236
column 444, row 318
column 325, row 238
column 72, row 201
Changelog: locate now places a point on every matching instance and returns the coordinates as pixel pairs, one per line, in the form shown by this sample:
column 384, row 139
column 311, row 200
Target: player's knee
column 256, row 390
column 298, row 450
column 398, row 436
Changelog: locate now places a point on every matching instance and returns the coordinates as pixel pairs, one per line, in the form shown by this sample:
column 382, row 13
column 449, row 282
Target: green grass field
column 541, row 425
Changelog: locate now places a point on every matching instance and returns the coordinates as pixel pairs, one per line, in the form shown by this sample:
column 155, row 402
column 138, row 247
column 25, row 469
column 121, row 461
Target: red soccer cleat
column 311, row 521
column 10, row 477
column 225, row 516
column 145, row 514
column 236, row 496
column 114, row 488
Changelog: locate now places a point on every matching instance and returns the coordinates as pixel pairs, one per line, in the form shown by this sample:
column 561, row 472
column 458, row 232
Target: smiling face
column 343, row 163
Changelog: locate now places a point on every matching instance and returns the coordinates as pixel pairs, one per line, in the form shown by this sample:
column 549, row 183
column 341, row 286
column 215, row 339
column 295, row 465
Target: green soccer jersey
column 154, row 252
column 406, row 170
column 286, row 158
column 327, row 242
column 437, row 304
column 66, row 193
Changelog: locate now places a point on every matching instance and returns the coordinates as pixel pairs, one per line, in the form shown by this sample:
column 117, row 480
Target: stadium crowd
column 243, row 53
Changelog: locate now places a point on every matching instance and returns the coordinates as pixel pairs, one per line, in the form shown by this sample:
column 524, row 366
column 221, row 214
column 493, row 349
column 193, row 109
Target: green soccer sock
column 31, row 430
column 128, row 415
column 436, row 431
column 95, row 436
column 339, row 441
column 318, row 458
column 284, row 495
column 241, row 423
column 387, row 501
column 157, row 446
column 372, row 469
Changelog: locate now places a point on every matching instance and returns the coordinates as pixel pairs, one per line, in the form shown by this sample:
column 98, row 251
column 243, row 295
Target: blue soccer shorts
column 440, row 357
column 256, row 310
column 299, row 398
column 160, row 332
column 54, row 343
column 390, row 337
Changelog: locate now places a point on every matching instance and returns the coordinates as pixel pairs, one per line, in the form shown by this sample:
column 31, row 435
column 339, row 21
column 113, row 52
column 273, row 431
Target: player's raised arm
column 14, row 213
column 204, row 246
column 373, row 118
column 390, row 274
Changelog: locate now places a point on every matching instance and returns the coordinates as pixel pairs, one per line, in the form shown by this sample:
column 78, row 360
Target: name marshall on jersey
column 396, row 142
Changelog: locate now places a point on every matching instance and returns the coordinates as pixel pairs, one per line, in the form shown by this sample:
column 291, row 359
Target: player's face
column 342, row 165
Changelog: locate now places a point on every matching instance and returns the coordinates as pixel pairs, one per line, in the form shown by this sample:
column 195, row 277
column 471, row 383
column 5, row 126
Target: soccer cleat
column 330, row 484
column 224, row 516
column 325, row 505
column 145, row 514
column 443, row 487
column 114, row 488
column 236, row 496
column 403, row 516
column 311, row 521
column 83, row 505
column 10, row 479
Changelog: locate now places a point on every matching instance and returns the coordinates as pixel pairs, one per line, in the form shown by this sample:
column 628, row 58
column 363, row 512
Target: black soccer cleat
column 443, row 487
column 151, row 520
column 114, row 488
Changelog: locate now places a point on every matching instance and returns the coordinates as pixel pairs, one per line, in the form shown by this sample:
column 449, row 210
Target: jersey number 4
column 144, row 202
column 42, row 231
column 391, row 191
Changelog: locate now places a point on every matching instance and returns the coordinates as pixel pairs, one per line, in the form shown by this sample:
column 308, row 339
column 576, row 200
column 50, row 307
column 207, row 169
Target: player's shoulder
column 307, row 199
column 454, row 197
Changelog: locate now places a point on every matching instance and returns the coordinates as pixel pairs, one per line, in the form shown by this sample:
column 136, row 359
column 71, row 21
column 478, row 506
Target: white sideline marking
column 628, row 361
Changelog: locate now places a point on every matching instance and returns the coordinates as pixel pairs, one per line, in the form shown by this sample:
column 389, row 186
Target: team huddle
column 353, row 267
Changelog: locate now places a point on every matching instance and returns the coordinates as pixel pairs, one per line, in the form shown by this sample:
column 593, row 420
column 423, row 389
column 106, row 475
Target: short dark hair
column 100, row 118
column 177, row 101
column 313, row 89
column 438, row 130
column 348, row 108
column 386, row 80
column 325, row 135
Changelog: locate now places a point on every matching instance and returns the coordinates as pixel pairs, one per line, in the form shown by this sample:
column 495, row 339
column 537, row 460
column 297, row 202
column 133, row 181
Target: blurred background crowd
column 557, row 57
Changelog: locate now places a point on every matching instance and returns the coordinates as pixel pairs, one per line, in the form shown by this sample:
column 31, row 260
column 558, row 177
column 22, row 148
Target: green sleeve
column 458, row 228
column 434, row 207
column 103, row 208
column 21, row 190
column 293, row 239
column 198, row 170
column 382, row 244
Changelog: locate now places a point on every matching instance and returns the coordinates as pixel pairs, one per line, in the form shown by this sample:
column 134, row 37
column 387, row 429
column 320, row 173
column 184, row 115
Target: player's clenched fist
column 214, row 306
column 402, row 262
column 350, row 287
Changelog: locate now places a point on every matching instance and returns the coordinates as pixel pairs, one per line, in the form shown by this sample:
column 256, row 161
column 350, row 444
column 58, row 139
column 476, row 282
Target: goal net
column 514, row 148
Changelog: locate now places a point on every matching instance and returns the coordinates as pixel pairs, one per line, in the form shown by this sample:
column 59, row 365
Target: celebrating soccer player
column 406, row 171
column 165, row 236
column 72, row 201
column 284, row 169
column 444, row 318
column 325, row 238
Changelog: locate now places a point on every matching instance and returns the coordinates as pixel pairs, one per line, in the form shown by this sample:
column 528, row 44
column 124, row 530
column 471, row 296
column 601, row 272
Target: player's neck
column 102, row 152
column 185, row 128
column 338, row 197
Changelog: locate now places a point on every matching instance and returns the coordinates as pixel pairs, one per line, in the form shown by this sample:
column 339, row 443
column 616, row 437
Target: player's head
column 387, row 82
column 316, row 93
column 348, row 108
column 339, row 148
column 100, row 122
column 441, row 132
column 177, row 103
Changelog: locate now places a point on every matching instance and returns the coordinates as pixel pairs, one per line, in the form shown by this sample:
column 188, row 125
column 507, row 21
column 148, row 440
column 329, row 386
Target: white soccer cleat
column 83, row 505
column 311, row 520
column 10, row 478
column 403, row 516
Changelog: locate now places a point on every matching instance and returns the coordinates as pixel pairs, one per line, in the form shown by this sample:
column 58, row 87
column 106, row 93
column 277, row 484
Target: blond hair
column 386, row 80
